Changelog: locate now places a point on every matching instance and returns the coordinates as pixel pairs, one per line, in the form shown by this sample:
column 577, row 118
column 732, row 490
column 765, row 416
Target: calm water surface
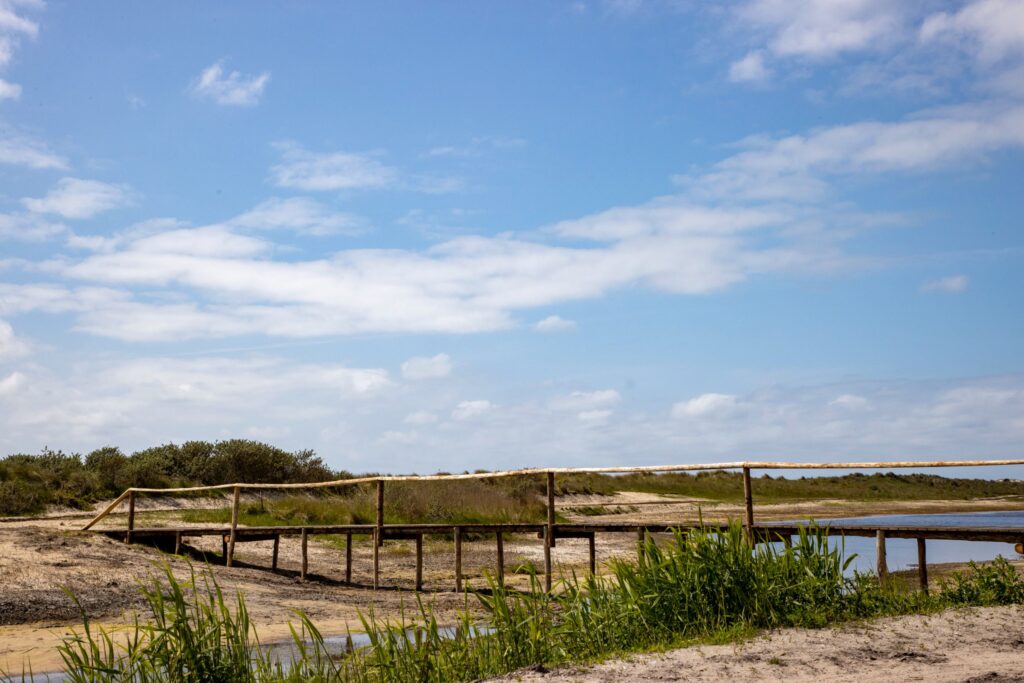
column 901, row 553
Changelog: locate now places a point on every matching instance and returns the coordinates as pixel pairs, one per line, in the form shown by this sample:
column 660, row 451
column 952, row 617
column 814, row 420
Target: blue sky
column 421, row 236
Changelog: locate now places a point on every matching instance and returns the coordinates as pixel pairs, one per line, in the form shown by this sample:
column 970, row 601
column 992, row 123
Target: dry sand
column 976, row 644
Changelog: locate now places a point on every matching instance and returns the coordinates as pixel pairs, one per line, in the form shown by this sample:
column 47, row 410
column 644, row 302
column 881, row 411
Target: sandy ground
column 977, row 644
column 40, row 559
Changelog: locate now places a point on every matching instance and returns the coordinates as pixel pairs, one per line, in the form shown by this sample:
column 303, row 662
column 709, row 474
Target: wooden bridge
column 548, row 531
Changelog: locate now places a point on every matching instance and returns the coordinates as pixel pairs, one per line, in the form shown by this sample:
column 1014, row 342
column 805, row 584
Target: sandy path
column 977, row 644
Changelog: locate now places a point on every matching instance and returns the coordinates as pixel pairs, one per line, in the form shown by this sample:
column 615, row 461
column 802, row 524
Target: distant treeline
column 30, row 483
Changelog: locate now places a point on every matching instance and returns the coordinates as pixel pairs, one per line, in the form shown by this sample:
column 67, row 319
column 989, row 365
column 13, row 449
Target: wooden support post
column 277, row 549
column 787, row 541
column 131, row 517
column 224, row 548
column 641, row 539
column 881, row 567
column 305, row 554
column 348, row 558
column 922, row 565
column 551, row 508
column 593, row 555
column 376, row 559
column 234, row 526
column 501, row 559
column 748, row 501
column 419, row 562
column 177, row 542
column 458, row 559
column 380, row 512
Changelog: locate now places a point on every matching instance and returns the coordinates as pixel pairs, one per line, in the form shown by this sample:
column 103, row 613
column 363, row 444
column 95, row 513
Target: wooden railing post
column 419, row 562
column 234, row 526
column 748, row 502
column 131, row 517
column 922, row 565
column 881, row 566
column 277, row 549
column 593, row 554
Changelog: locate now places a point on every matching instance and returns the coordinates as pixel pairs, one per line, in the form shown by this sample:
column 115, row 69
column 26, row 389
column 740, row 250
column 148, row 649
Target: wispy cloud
column 749, row 69
column 77, row 198
column 329, row 171
column 13, row 27
column 423, row 367
column 18, row 149
column 554, row 323
column 952, row 284
column 229, row 88
column 300, row 214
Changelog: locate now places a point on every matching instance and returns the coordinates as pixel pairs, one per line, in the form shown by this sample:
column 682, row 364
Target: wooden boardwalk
column 549, row 531
column 770, row 532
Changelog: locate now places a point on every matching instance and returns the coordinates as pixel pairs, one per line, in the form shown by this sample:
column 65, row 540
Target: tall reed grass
column 701, row 586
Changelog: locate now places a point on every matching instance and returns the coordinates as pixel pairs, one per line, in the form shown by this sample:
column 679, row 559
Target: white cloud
column 750, row 69
column 420, row 417
column 990, row 29
column 76, row 198
column 467, row 410
column 11, row 346
column 9, row 91
column 952, row 284
column 706, row 405
column 229, row 88
column 29, row 227
column 594, row 415
column 821, row 29
column 427, row 368
column 585, row 400
column 554, row 323
column 13, row 26
column 19, row 150
column 301, row 214
column 320, row 172
column 795, row 167
column 10, row 384
column 850, row 402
